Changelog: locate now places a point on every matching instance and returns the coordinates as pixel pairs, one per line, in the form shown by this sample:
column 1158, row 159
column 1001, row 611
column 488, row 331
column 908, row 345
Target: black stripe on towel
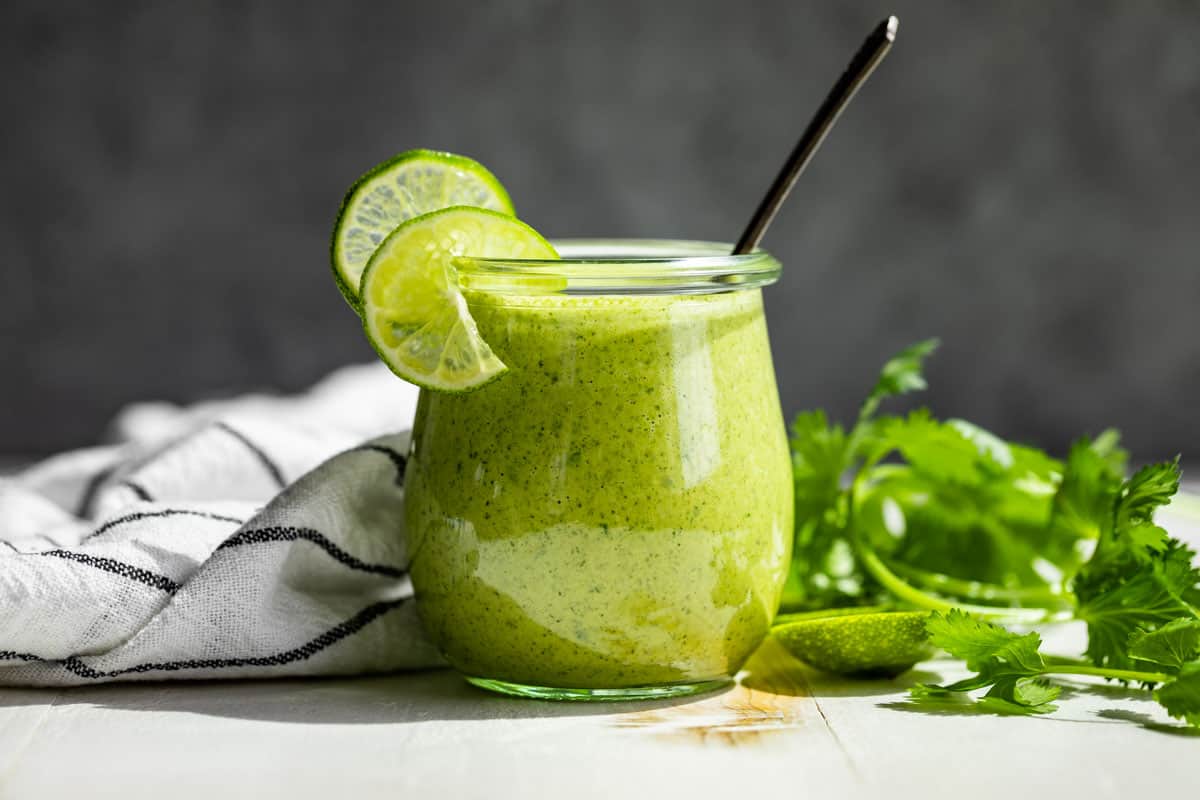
column 169, row 512
column 398, row 460
column 306, row 651
column 268, row 464
column 118, row 568
column 287, row 534
column 9, row 655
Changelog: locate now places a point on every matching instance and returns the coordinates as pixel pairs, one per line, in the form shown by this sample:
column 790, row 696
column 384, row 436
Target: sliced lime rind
column 413, row 310
column 403, row 187
column 856, row 642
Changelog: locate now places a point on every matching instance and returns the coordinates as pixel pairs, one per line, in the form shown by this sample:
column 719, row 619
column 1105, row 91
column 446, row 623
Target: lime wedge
column 406, row 186
column 413, row 312
column 862, row 642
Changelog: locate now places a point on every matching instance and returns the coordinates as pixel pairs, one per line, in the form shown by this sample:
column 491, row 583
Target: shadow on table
column 825, row 685
column 965, row 707
column 773, row 691
column 1148, row 722
column 438, row 694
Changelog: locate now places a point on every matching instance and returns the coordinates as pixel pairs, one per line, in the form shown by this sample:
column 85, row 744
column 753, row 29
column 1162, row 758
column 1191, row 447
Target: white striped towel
column 258, row 537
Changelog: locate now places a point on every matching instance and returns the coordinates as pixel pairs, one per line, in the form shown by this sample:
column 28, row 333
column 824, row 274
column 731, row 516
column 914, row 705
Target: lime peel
column 856, row 642
column 413, row 310
column 405, row 186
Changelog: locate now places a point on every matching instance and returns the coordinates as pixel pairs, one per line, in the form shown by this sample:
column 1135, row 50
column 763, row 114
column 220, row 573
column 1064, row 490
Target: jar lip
column 658, row 256
column 622, row 267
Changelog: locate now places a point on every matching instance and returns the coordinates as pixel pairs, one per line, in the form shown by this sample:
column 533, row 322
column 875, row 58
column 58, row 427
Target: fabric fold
column 252, row 538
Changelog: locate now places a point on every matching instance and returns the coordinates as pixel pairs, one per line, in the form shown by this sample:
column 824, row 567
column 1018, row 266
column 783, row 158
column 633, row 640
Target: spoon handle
column 860, row 68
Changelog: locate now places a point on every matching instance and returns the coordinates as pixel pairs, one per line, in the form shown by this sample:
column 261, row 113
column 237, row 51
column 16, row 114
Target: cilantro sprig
column 941, row 515
column 1014, row 670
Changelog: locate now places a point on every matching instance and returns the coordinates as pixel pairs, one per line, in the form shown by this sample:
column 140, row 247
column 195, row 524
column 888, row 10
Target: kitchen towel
column 255, row 537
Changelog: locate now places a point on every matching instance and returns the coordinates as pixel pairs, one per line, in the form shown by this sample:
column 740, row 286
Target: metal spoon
column 861, row 66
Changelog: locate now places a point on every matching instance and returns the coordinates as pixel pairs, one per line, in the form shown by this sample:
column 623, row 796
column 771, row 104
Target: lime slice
column 415, row 315
column 406, row 186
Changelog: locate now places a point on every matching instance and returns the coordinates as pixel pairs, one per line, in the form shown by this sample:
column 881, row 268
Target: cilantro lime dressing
column 614, row 511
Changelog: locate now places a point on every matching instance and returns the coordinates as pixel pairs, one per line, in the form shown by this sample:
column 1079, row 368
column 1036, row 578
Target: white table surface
column 784, row 731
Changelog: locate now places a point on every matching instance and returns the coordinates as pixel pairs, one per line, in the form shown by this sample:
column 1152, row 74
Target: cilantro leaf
column 900, row 375
column 1013, row 695
column 1034, row 693
column 1150, row 488
column 962, row 508
column 1009, row 665
column 1012, row 669
column 1083, row 505
column 985, row 647
column 975, row 507
column 820, row 455
column 1181, row 696
column 938, row 513
column 823, row 574
column 1139, row 579
column 1138, row 596
column 939, row 450
column 1172, row 645
column 1018, row 696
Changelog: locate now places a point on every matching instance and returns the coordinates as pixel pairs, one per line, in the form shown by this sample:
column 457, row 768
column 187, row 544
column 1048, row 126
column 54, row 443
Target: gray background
column 1020, row 178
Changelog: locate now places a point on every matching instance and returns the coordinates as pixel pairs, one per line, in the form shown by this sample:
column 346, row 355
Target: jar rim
column 624, row 266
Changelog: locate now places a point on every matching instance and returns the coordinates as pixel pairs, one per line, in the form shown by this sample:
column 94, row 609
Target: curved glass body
column 613, row 516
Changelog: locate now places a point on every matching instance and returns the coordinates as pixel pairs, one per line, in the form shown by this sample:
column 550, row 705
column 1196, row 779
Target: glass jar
column 612, row 517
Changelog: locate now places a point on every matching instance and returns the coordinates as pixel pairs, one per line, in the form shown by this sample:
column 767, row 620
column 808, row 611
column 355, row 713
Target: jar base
column 653, row 692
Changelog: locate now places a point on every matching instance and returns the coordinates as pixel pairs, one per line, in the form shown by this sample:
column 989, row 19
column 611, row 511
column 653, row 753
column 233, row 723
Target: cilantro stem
column 980, row 590
column 921, row 599
column 1104, row 672
column 906, row 592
